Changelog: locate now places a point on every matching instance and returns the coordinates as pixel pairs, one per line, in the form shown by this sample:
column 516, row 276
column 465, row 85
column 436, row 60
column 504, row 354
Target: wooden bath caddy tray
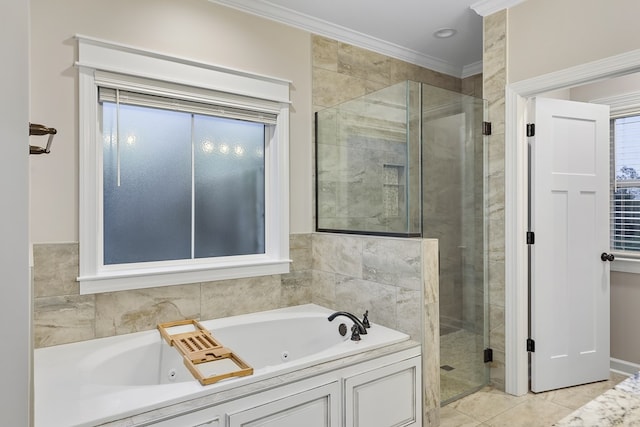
column 207, row 359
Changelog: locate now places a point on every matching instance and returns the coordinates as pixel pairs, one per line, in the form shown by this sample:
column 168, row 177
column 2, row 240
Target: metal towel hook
column 36, row 129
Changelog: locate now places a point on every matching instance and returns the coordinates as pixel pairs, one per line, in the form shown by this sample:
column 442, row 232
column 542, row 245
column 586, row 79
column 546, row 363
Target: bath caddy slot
column 205, row 357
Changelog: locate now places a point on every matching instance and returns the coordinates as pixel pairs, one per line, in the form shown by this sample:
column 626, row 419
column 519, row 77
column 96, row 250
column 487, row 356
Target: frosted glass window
column 178, row 185
column 183, row 177
column 229, row 187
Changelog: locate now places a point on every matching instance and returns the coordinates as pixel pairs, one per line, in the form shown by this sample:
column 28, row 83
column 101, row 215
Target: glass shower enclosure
column 409, row 161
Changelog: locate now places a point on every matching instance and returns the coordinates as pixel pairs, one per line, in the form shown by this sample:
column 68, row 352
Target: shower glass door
column 453, row 211
column 367, row 164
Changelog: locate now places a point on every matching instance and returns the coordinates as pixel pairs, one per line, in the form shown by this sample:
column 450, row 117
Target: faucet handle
column 355, row 333
column 365, row 319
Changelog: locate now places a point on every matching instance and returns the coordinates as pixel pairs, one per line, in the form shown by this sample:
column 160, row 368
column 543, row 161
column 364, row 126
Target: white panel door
column 570, row 219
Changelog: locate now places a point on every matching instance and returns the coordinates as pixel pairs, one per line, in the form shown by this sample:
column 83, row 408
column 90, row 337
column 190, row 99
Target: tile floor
column 460, row 352
column 492, row 408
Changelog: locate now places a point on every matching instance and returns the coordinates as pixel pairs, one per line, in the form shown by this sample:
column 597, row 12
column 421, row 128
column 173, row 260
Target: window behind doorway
column 625, row 183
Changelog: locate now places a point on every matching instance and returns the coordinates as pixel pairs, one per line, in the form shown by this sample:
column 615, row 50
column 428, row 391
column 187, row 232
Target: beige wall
column 550, row 35
column 15, row 352
column 193, row 29
column 606, row 88
column 625, row 316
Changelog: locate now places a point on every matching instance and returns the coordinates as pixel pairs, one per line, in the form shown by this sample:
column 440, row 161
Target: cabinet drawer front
column 317, row 407
column 203, row 418
column 385, row 397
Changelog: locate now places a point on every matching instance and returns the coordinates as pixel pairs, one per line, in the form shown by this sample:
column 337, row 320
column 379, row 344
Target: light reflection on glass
column 109, row 138
column 207, row 146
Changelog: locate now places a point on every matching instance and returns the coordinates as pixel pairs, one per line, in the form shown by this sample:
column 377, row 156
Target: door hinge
column 488, row 355
column 531, row 129
column 486, row 128
column 531, row 345
column 531, row 238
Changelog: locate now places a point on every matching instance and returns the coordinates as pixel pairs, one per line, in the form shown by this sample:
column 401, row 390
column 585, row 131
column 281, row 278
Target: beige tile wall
column 353, row 273
column 62, row 315
column 472, row 86
column 382, row 275
column 340, row 73
column 494, row 64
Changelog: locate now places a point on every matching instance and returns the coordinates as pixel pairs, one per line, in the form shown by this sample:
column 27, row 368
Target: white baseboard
column 624, row 367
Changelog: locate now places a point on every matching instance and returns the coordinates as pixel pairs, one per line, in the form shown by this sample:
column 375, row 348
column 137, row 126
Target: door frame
column 516, row 203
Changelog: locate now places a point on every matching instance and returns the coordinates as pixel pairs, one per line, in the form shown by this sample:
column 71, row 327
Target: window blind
column 625, row 191
column 106, row 94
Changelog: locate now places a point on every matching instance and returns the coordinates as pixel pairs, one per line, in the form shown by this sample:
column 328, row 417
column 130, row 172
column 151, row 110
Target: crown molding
column 471, row 69
column 626, row 103
column 489, row 7
column 320, row 27
column 613, row 66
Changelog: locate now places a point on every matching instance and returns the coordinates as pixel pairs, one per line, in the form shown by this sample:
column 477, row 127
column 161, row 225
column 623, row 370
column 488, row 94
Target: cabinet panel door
column 317, row 407
column 385, row 397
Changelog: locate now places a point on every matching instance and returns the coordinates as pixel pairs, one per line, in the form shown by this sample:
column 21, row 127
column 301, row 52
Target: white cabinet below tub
column 384, row 391
column 378, row 393
column 384, row 397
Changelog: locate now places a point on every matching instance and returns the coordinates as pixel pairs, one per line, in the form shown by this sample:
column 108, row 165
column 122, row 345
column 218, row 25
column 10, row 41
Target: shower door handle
column 607, row 257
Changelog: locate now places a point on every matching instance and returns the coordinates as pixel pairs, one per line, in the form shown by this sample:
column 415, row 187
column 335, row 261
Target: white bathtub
column 93, row 382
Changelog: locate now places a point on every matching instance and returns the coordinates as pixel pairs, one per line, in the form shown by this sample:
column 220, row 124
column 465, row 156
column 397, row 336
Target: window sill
column 140, row 279
column 626, row 265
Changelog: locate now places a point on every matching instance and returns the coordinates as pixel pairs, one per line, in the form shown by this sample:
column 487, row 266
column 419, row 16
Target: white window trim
column 620, row 106
column 115, row 65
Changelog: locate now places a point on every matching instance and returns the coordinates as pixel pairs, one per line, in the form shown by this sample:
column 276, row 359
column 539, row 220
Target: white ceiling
column 401, row 28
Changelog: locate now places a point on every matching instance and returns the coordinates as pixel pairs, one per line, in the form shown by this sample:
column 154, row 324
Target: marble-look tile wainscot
column 382, row 275
column 342, row 72
column 494, row 62
column 62, row 315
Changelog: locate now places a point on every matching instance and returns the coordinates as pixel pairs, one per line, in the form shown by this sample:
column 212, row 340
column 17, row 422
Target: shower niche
column 409, row 161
